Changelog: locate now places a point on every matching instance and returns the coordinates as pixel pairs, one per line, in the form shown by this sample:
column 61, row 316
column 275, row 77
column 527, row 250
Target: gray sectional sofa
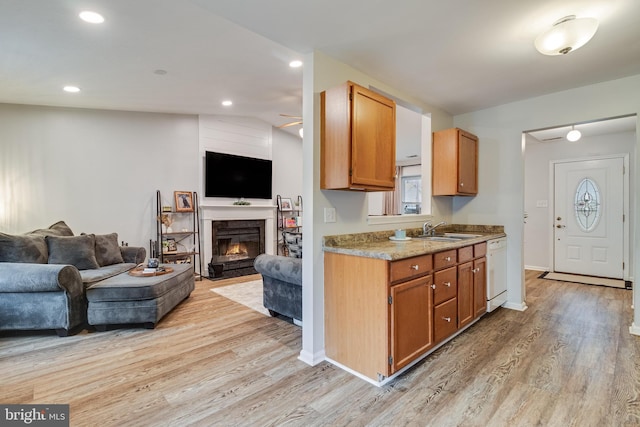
column 46, row 275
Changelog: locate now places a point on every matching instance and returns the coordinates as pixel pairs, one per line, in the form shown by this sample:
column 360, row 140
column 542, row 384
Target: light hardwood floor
column 567, row 360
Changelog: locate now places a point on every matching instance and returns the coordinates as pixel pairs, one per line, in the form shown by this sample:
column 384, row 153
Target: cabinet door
column 466, row 308
column 444, row 320
column 411, row 321
column 480, row 286
column 373, row 140
column 467, row 163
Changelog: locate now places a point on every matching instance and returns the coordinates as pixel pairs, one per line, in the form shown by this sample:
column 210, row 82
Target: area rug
column 587, row 280
column 248, row 294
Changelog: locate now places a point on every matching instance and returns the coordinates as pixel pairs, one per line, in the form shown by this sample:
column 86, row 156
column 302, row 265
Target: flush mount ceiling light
column 566, row 35
column 574, row 134
column 91, row 17
column 295, row 64
column 71, row 89
column 227, row 103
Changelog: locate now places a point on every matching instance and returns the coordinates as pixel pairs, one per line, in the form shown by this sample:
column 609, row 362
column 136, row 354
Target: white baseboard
column 634, row 329
column 311, row 359
column 515, row 306
column 536, row 268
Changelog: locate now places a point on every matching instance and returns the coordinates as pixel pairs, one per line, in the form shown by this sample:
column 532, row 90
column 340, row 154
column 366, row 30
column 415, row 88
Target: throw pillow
column 23, row 248
column 74, row 250
column 60, row 228
column 107, row 249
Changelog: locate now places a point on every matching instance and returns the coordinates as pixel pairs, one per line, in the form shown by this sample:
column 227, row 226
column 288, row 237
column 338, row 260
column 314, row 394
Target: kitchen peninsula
column 390, row 303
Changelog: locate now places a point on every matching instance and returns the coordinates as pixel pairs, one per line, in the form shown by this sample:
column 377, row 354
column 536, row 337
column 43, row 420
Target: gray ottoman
column 125, row 299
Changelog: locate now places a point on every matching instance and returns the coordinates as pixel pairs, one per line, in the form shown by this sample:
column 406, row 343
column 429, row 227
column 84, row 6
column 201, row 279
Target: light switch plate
column 329, row 214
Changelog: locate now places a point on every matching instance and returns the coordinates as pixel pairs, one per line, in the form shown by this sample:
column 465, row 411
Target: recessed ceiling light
column 71, row 89
column 227, row 103
column 91, row 17
column 295, row 64
column 160, row 72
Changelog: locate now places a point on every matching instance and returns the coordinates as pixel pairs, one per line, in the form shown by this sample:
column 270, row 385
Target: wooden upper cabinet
column 358, row 139
column 455, row 163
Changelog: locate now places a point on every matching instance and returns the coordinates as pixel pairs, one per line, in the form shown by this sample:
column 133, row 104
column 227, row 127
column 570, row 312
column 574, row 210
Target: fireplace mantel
column 219, row 212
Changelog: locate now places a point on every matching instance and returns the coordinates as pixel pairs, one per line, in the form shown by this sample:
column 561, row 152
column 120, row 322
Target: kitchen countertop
column 378, row 245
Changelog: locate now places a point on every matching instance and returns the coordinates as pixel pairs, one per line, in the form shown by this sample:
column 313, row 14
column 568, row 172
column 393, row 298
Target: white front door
column 588, row 221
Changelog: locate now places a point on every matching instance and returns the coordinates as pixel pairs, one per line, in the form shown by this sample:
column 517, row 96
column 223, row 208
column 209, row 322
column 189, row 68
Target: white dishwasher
column 496, row 273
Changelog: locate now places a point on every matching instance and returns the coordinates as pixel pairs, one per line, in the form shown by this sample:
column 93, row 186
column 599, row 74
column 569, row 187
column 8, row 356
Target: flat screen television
column 228, row 175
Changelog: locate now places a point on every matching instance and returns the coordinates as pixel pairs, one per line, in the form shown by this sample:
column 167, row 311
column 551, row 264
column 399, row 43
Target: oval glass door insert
column 587, row 205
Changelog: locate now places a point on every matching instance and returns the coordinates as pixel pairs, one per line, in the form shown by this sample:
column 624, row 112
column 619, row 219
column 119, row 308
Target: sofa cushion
column 107, row 249
column 60, row 228
column 29, row 248
column 75, row 250
column 92, row 276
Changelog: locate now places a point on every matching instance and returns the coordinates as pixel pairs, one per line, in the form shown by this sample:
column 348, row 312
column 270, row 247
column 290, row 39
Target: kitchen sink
column 462, row 235
column 440, row 238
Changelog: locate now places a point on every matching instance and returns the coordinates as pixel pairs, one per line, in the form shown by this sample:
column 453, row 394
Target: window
column 411, row 188
column 587, row 205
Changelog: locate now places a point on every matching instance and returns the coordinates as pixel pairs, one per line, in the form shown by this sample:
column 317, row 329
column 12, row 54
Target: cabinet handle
column 415, row 267
column 448, row 319
column 475, row 270
column 433, row 286
column 447, row 284
column 447, row 258
column 462, row 184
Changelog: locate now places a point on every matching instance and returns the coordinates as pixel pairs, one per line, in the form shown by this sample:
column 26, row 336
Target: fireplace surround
column 211, row 212
column 235, row 245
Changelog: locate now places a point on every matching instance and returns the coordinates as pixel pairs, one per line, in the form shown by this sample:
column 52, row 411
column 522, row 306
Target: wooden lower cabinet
column 466, row 311
column 480, row 286
column 444, row 319
column 411, row 321
column 381, row 316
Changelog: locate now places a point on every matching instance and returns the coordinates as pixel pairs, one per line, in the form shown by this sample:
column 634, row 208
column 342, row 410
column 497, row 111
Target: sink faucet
column 429, row 229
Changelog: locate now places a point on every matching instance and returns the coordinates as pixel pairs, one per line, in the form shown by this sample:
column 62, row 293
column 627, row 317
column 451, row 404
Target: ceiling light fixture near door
column 71, row 89
column 295, row 64
column 566, row 35
column 227, row 103
column 91, row 17
column 574, row 134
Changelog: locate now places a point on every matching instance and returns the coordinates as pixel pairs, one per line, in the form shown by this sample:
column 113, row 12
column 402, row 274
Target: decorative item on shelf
column 290, row 222
column 286, row 204
column 241, row 202
column 166, row 220
column 169, row 246
column 184, row 201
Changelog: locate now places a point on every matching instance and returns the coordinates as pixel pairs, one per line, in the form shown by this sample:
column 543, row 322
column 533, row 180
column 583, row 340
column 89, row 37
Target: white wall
column 287, row 160
column 538, row 228
column 96, row 170
column 500, row 198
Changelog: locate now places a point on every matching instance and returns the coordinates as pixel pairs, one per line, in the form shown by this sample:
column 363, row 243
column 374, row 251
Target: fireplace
column 235, row 245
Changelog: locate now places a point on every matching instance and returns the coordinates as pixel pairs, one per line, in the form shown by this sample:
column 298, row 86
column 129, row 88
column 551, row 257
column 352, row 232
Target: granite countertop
column 378, row 245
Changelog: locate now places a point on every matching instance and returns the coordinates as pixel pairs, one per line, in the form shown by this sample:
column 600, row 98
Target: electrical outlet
column 329, row 214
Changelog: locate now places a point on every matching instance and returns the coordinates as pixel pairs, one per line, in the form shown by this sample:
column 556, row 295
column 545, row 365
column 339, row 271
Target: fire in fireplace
column 236, row 243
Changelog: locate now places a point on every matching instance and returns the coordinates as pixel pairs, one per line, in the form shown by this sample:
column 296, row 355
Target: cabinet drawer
column 445, row 285
column 445, row 321
column 480, row 250
column 444, row 259
column 410, row 267
column 465, row 254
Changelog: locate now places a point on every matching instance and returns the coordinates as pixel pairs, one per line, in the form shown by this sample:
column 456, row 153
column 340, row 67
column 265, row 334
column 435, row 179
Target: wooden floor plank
column 567, row 360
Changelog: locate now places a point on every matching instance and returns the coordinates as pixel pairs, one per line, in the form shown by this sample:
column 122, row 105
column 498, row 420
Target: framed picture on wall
column 286, row 204
column 184, row 201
